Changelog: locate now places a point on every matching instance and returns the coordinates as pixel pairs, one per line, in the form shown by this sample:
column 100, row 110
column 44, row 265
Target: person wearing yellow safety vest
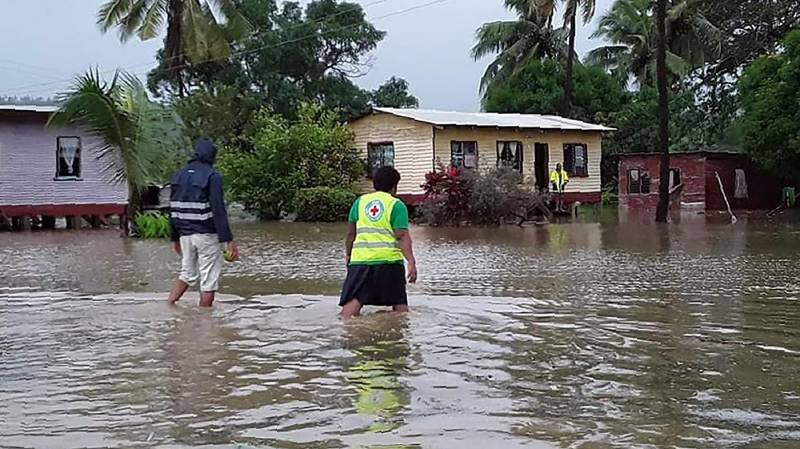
column 377, row 243
column 559, row 180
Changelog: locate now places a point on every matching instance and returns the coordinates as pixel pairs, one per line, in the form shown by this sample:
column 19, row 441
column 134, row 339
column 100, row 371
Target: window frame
column 520, row 155
column 461, row 143
column 642, row 174
column 372, row 146
column 78, row 157
column 570, row 158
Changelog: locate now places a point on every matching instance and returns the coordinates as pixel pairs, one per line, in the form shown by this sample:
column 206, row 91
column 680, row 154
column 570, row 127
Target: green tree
column 636, row 124
column 538, row 89
column 770, row 97
column 394, row 94
column 294, row 55
column 517, row 42
column 316, row 151
column 137, row 137
column 631, row 28
column 197, row 30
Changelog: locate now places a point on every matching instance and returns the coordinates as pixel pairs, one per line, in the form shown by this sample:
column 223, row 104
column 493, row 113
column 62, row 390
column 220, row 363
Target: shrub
column 323, row 204
column 491, row 198
column 446, row 197
column 316, row 151
column 152, row 225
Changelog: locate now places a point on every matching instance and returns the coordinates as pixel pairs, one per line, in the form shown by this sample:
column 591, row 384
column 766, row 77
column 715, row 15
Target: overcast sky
column 46, row 42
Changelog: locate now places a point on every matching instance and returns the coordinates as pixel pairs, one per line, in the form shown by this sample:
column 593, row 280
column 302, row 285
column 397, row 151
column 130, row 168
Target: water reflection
column 378, row 343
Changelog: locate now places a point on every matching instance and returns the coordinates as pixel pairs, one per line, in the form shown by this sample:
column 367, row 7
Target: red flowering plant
column 447, row 194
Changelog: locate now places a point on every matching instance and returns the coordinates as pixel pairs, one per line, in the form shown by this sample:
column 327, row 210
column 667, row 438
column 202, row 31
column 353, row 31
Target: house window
column 379, row 155
column 509, row 154
column 638, row 181
column 68, row 158
column 576, row 159
column 464, row 154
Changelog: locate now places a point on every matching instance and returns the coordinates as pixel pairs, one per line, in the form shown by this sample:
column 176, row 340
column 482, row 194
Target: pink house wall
column 28, row 167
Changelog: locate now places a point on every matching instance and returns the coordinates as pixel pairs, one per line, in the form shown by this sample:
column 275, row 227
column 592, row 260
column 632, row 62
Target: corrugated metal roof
column 28, row 108
column 494, row 120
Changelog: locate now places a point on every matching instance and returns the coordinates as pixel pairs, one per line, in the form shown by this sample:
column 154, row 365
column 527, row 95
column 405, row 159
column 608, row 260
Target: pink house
column 48, row 173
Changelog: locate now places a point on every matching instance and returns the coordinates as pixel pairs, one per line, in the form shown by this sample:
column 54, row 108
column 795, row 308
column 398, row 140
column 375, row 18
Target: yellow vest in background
column 559, row 183
column 375, row 239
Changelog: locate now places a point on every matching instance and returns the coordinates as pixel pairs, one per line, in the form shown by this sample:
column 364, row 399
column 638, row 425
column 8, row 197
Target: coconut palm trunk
column 663, row 111
column 569, row 82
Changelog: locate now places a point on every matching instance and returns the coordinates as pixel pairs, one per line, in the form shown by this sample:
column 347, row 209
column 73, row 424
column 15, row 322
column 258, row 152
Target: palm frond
column 236, row 23
column 127, row 127
column 153, row 20
column 110, row 13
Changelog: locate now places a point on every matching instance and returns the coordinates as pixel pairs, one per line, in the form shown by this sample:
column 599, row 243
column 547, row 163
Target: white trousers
column 202, row 260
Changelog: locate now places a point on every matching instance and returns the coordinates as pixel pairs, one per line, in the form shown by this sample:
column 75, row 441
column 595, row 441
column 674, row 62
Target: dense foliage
column 770, row 96
column 394, row 94
column 454, row 197
column 315, row 151
column 538, row 89
column 326, row 204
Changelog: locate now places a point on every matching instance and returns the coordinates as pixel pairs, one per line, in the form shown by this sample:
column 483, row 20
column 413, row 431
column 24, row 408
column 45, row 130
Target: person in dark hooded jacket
column 199, row 224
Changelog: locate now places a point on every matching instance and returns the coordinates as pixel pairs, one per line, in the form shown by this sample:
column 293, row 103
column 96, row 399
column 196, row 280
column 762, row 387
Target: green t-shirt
column 399, row 214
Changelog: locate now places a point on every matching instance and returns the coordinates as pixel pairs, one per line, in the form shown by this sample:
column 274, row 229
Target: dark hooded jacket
column 196, row 202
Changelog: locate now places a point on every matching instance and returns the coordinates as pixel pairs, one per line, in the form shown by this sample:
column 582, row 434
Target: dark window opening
column 68, row 158
column 379, row 155
column 638, row 181
column 509, row 155
column 576, row 159
column 464, row 154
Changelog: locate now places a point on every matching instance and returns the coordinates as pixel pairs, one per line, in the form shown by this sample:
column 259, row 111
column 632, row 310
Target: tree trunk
column 568, row 82
column 663, row 112
column 174, row 44
column 134, row 205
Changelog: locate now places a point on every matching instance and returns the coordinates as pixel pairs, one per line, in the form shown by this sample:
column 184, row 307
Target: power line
column 21, row 89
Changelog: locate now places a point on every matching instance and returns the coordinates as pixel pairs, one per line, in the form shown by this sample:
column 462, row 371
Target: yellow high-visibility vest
column 554, row 179
column 375, row 239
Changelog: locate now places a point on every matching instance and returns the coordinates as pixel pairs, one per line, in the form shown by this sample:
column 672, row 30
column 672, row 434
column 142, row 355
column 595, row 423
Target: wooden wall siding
column 487, row 150
column 28, row 166
column 413, row 147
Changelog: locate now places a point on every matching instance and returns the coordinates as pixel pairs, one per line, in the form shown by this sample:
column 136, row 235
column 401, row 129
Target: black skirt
column 375, row 285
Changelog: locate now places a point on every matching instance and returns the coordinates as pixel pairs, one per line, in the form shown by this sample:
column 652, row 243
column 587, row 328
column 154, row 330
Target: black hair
column 386, row 179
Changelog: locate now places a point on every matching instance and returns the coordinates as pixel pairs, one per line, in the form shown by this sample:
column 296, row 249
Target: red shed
column 693, row 181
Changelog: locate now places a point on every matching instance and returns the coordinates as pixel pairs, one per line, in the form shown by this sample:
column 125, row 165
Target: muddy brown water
column 582, row 335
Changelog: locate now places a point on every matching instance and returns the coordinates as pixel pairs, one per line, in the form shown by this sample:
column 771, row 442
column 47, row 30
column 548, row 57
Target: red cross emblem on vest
column 374, row 210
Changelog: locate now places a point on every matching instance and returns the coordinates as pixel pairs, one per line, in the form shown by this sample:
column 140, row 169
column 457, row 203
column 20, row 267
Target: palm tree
column 197, row 30
column 517, row 42
column 133, row 133
column 547, row 8
column 663, row 110
column 570, row 20
column 631, row 28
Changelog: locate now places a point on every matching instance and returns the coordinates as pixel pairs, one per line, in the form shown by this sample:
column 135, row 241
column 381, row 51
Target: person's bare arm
column 407, row 247
column 348, row 241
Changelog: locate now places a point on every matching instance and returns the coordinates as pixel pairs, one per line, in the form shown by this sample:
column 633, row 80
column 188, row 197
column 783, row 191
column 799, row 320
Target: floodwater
column 584, row 335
